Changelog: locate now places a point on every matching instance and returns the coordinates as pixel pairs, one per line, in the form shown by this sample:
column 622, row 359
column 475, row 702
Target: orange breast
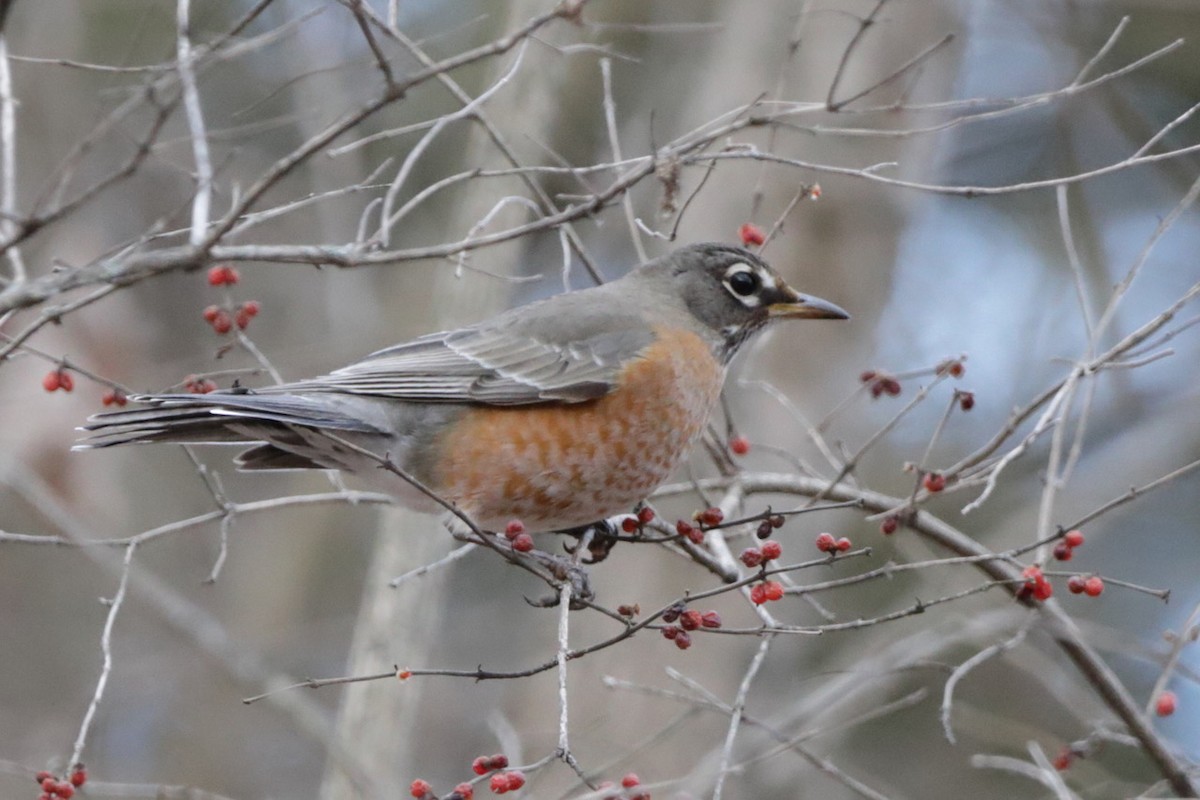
column 561, row 465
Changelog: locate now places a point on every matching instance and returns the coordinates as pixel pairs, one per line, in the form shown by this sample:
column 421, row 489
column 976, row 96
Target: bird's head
column 734, row 293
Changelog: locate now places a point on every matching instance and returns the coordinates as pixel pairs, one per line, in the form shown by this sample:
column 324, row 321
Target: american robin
column 560, row 413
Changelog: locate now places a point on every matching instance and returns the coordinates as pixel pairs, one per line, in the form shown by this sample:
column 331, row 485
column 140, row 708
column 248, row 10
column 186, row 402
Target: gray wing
column 512, row 360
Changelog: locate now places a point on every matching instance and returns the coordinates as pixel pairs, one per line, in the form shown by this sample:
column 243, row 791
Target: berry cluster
column 631, row 784
column 510, row 781
column 766, row 592
column 423, row 791
column 689, row 619
column 114, row 397
column 222, row 320
column 223, row 275
column 194, row 384
column 502, row 780
column 708, row 518
column 1066, row 548
column 880, row 383
column 1092, row 586
column 1035, row 585
column 514, row 531
column 52, row 787
column 634, row 523
column 58, row 379
column 827, row 544
column 767, row 551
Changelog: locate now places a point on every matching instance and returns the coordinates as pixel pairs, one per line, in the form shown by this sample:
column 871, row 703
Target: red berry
column 628, row 611
column 889, row 525
column 1076, row 584
column 690, row 620
column 1093, row 586
column 65, row 790
column 499, row 761
column 514, row 527
column 629, row 524
column 868, row 376
column 1073, row 538
column 1063, row 551
column 49, row 784
column 966, row 400
column 51, row 381
column 1063, row 760
column 671, row 631
column 758, row 594
column 42, row 776
column 672, row 613
column 751, row 557
column 771, row 550
column 499, row 783
column 630, row 780
column 251, row 308
column 934, row 481
column 1164, row 706
column 516, row 779
column 710, row 516
column 242, row 319
column 210, row 313
column 223, row 275
column 222, row 322
column 890, row 386
column 522, row 543
column 79, row 775
column 751, row 234
column 419, row 788
column 826, row 543
column 480, row 765
column 465, row 791
column 774, row 590
column 843, row 544
column 1043, row 589
column 683, row 641
column 710, row 619
column 739, row 445
column 65, row 381
column 645, row 515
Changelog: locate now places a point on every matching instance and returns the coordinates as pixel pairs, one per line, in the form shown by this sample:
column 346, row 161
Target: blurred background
column 926, row 275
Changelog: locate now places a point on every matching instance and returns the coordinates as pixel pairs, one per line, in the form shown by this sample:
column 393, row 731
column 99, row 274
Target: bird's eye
column 744, row 282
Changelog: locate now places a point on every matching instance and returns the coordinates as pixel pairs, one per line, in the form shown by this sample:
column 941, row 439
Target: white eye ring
column 744, row 282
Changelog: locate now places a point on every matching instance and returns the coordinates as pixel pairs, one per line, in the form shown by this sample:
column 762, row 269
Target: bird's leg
column 603, row 538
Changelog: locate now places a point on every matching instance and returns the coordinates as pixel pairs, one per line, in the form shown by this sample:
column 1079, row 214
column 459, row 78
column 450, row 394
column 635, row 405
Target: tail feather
column 214, row 418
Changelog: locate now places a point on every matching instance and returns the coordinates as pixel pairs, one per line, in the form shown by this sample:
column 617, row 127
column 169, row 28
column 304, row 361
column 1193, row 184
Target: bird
column 560, row 413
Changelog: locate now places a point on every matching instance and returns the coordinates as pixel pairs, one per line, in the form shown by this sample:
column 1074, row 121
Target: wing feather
column 516, row 359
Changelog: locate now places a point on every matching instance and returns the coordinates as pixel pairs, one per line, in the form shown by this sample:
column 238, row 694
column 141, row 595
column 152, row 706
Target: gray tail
column 222, row 418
